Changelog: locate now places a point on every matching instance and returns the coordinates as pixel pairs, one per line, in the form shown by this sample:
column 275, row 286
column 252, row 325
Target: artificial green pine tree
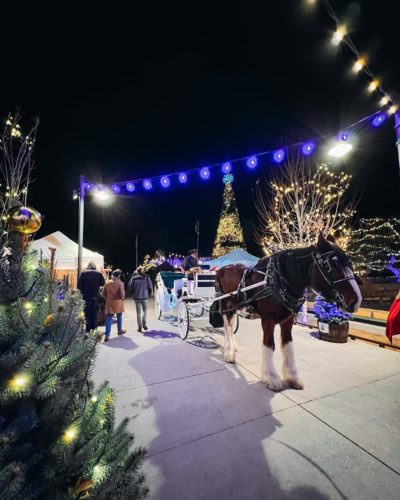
column 58, row 438
column 229, row 233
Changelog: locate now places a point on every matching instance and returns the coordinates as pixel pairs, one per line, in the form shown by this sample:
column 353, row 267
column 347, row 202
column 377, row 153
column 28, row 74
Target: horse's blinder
column 325, row 268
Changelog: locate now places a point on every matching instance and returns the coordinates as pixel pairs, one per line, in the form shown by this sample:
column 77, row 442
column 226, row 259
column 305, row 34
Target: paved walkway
column 213, row 431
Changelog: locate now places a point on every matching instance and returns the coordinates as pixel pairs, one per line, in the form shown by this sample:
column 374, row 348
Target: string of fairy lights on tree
column 375, row 245
column 341, row 36
column 229, row 232
column 304, row 203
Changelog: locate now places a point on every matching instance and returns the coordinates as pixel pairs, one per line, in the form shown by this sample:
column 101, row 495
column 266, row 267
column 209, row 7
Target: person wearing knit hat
column 89, row 285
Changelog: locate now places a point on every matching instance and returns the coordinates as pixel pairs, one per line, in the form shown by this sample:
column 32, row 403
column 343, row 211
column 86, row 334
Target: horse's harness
column 276, row 285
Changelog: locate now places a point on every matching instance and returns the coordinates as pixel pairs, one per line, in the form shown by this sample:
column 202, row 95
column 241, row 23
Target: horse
column 284, row 276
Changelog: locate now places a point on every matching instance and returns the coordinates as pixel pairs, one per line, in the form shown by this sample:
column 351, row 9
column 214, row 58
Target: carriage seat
column 170, row 277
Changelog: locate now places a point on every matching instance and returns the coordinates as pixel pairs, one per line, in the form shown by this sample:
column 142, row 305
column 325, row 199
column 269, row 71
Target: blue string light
column 226, row 168
column 205, row 173
column 277, row 155
column 164, row 181
column 308, row 148
column 252, row 162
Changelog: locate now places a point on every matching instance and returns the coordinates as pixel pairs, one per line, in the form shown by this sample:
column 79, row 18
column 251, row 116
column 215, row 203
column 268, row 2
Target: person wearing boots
column 114, row 293
column 141, row 288
column 89, row 285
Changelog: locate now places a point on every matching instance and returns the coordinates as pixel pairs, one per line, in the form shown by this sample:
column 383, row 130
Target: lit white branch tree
column 16, row 163
column 299, row 204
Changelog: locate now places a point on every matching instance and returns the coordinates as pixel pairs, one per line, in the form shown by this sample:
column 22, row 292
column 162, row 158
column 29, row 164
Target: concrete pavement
column 213, row 431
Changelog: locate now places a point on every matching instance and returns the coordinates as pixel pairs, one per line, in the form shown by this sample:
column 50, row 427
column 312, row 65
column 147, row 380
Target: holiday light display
column 229, row 233
column 341, row 36
column 374, row 245
column 305, row 202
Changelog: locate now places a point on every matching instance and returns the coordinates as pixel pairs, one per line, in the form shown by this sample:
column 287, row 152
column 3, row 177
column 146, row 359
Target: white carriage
column 189, row 297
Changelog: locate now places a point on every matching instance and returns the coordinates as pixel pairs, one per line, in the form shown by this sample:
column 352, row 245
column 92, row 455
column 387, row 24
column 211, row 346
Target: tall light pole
column 81, row 222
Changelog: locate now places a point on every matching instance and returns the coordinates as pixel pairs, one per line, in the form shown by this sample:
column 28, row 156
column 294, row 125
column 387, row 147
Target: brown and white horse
column 324, row 267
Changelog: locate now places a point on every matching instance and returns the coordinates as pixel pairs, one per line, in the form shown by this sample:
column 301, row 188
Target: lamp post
column 81, row 197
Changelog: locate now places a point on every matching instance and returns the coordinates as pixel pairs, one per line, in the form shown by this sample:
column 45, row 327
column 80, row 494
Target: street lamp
column 102, row 195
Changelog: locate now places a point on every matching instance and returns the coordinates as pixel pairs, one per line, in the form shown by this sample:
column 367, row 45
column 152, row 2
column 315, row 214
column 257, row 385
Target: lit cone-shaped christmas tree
column 229, row 233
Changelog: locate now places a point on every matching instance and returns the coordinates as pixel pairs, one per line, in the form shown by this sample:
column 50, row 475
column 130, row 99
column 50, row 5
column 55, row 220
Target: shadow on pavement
column 160, row 334
column 121, row 342
column 208, row 432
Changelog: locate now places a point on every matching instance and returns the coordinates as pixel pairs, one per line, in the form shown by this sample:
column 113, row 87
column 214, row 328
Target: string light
column 276, row 155
column 373, row 85
column 183, row 178
column 358, row 65
column 384, row 101
column 147, row 184
column 392, row 110
column 252, row 162
column 70, row 434
column 205, row 173
column 164, row 181
column 339, row 34
column 19, row 381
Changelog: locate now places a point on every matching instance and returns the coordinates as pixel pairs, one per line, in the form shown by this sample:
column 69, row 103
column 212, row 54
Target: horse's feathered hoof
column 295, row 383
column 274, row 383
column 230, row 358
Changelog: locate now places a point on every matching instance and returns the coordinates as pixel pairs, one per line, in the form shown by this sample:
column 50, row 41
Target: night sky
column 125, row 94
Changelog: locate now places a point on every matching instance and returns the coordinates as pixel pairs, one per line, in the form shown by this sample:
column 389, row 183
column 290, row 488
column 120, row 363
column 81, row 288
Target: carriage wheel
column 157, row 305
column 183, row 320
column 237, row 324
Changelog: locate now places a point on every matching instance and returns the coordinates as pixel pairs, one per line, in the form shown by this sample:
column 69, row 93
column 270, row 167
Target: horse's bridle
column 321, row 260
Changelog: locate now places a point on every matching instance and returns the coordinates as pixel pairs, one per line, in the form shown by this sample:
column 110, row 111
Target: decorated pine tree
column 229, row 233
column 58, row 437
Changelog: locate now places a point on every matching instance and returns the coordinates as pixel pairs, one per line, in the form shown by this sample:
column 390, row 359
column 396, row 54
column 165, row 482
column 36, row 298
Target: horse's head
column 333, row 277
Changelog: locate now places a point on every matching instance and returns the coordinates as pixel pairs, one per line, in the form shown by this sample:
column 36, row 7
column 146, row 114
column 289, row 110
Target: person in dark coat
column 141, row 287
column 89, row 285
column 191, row 262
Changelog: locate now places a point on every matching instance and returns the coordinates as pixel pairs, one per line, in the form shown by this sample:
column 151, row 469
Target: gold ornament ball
column 24, row 220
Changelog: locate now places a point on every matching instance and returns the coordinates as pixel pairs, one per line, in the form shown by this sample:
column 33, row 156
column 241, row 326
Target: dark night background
column 124, row 94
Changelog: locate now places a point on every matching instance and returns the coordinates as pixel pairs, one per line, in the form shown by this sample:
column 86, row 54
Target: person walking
column 114, row 293
column 89, row 284
column 141, row 287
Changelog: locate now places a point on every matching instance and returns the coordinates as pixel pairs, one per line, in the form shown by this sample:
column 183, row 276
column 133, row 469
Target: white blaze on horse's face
column 353, row 283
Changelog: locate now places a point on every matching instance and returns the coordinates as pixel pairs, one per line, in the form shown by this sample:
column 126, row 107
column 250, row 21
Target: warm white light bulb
column 393, row 109
column 384, row 100
column 373, row 85
column 358, row 65
column 339, row 34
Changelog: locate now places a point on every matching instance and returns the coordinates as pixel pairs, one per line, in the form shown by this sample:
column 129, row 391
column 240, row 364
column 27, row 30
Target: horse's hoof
column 295, row 383
column 230, row 358
column 274, row 383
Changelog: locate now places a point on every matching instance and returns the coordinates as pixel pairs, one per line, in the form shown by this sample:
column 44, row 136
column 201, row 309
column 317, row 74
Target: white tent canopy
column 66, row 256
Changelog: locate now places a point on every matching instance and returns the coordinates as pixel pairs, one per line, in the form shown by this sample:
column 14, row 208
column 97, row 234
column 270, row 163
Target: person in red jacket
column 393, row 321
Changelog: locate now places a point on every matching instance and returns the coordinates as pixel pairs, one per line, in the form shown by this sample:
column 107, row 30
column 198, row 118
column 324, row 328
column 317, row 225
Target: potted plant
column 333, row 323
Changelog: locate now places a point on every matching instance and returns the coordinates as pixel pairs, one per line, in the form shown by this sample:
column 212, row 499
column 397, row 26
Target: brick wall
column 378, row 294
